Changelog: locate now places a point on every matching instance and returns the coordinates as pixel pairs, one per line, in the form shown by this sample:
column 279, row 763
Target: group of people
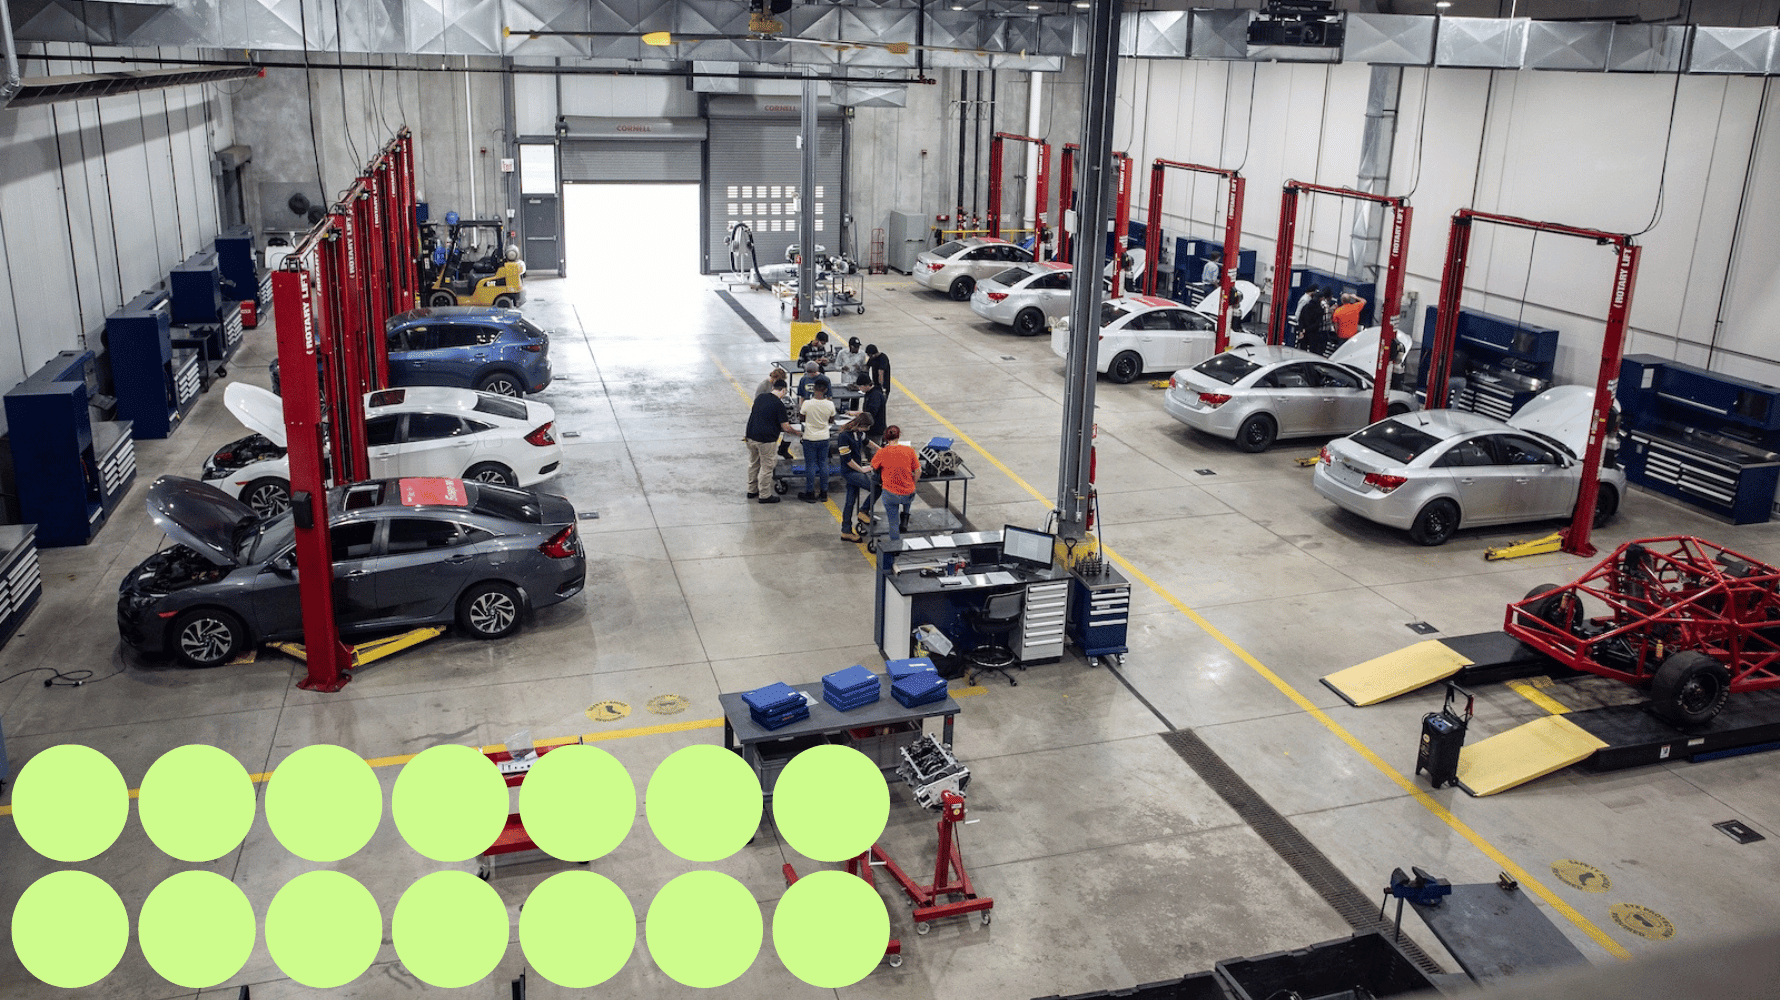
column 1324, row 321
column 867, row 449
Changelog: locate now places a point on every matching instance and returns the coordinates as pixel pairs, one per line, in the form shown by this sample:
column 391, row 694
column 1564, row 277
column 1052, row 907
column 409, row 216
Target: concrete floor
column 1110, row 861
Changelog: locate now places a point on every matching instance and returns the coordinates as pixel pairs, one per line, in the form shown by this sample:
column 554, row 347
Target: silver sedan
column 1024, row 297
column 1431, row 471
column 957, row 266
column 1254, row 395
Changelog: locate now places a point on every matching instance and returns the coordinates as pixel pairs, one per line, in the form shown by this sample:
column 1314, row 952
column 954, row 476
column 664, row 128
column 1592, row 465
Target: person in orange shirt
column 899, row 468
column 1347, row 315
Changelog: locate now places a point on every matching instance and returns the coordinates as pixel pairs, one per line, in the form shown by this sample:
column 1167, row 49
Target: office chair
column 998, row 617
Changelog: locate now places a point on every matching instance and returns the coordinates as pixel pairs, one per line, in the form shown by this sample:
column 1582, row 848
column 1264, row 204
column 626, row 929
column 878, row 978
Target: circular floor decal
column 1578, row 875
column 607, row 711
column 667, row 704
column 1642, row 921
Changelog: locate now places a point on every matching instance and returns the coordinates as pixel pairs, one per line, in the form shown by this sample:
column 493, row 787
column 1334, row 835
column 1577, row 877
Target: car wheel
column 1606, row 505
column 1396, row 409
column 505, row 302
column 1436, row 523
column 492, row 472
column 1689, row 688
column 502, row 384
column 1125, row 368
column 267, row 496
column 1029, row 322
column 438, row 299
column 208, row 637
column 1559, row 610
column 961, row 289
column 1257, row 433
column 489, row 611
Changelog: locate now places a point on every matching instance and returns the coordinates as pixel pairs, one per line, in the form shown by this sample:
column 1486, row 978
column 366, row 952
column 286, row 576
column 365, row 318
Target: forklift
column 471, row 265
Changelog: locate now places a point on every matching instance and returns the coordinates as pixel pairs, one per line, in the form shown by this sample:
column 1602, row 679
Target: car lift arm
column 1040, row 186
column 1232, row 235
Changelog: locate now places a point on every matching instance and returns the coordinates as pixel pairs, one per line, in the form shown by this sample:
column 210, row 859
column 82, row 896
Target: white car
column 412, row 431
column 957, row 266
column 1143, row 333
column 1024, row 297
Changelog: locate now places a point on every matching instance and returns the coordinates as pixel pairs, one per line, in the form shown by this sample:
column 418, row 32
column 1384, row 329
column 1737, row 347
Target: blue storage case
column 919, row 689
column 851, row 688
column 847, row 703
column 776, row 698
column 903, row 668
column 940, row 444
column 782, row 719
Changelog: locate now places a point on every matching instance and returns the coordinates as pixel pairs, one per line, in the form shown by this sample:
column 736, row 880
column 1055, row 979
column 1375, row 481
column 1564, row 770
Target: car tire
column 1559, row 610
column 1256, row 433
column 491, row 472
column 440, row 299
column 268, row 496
column 501, row 384
column 505, row 302
column 1435, row 523
column 1029, row 322
column 490, row 610
column 1606, row 505
column 1396, row 409
column 1125, row 368
column 961, row 289
column 1689, row 688
column 207, row 637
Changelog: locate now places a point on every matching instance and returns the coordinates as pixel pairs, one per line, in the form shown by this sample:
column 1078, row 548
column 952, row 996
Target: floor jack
column 370, row 650
column 1537, row 546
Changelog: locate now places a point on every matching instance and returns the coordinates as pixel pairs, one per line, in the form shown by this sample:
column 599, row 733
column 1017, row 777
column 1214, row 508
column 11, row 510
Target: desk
column 741, row 734
column 907, row 599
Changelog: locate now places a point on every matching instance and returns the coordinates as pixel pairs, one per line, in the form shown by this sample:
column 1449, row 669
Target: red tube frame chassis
column 1685, row 593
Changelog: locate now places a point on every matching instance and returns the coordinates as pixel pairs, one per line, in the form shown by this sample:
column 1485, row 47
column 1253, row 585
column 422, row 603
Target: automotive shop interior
column 996, row 500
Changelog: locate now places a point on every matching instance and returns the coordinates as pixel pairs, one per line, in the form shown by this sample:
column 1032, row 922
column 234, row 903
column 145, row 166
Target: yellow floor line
column 1526, row 690
column 1426, row 801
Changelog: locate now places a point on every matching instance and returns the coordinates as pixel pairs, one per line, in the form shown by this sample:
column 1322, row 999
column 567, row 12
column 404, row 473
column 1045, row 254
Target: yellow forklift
column 471, row 266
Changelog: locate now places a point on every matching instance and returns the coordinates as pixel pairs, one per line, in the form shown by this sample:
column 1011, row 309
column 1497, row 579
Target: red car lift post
column 1040, row 187
column 1065, row 198
column 949, row 877
column 1121, row 215
column 1619, row 307
column 1396, row 252
column 1235, row 186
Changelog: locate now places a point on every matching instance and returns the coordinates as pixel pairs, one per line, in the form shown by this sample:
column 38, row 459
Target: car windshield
column 947, row 249
column 500, row 406
column 1395, row 440
column 1013, row 276
column 1553, row 442
column 509, row 504
column 1112, row 312
column 265, row 539
column 1227, row 368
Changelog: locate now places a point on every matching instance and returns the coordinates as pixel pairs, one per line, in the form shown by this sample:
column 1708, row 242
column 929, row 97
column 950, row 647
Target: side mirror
column 284, row 565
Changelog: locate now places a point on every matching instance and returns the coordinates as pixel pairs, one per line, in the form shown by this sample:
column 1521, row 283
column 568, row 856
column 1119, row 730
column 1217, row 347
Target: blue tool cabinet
column 1508, row 362
column 1304, row 277
column 72, row 471
column 1702, row 437
column 239, row 264
column 1190, row 255
column 1099, row 612
column 155, row 384
column 195, row 288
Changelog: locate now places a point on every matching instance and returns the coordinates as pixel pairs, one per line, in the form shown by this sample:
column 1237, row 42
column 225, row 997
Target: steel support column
column 1235, row 186
column 806, row 210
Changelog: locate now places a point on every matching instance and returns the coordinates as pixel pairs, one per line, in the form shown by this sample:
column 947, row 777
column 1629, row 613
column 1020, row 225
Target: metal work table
column 1495, row 933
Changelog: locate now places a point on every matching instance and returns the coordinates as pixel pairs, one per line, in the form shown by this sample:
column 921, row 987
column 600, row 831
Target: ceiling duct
column 51, row 89
column 1388, row 40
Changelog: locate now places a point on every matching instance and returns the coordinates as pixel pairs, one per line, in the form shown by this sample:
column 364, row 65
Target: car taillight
column 535, row 347
column 562, row 545
column 1323, row 456
column 1384, row 483
column 1173, row 383
column 543, row 435
column 1213, row 399
column 996, row 296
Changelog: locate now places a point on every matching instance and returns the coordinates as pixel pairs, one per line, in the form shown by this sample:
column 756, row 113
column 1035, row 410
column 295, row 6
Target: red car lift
column 1121, row 216
column 1397, row 251
column 1040, row 186
column 1232, row 234
column 1619, row 307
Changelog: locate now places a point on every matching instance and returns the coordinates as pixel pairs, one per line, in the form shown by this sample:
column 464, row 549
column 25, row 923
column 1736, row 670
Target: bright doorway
column 631, row 238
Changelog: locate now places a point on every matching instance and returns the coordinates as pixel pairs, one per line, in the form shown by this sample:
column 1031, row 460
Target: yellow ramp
column 1386, row 677
column 1523, row 753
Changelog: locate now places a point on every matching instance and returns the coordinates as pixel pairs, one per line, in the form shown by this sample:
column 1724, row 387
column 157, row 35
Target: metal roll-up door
column 620, row 150
column 755, row 170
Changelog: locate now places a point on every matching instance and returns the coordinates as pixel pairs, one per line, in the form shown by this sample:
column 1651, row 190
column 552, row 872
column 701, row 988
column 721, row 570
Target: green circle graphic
column 704, row 929
column 196, row 929
column 69, row 929
column 196, row 803
column 830, row 929
column 830, row 803
column 578, row 803
column 703, row 803
column 323, row 803
column 450, row 802
column 70, row 803
column 450, row 929
column 577, row 928
column 323, row 929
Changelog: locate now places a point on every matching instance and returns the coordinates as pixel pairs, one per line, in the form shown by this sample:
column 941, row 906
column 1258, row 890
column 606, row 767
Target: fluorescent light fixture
column 1083, row 4
column 1443, row 4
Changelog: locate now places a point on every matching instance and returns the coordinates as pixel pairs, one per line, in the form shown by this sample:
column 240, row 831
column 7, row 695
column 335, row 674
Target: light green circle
column 70, row 803
column 323, row 929
column 323, row 803
column 196, row 803
column 578, row 803
column 703, row 929
column 69, row 929
column 450, row 802
column 830, row 929
column 196, row 929
column 830, row 803
column 577, row 928
column 450, row 929
column 703, row 803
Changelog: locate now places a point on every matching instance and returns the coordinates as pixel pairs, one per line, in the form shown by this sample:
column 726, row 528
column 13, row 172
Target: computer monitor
column 1026, row 547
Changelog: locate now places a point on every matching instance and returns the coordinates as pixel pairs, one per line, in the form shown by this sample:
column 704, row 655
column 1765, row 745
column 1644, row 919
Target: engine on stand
column 931, row 770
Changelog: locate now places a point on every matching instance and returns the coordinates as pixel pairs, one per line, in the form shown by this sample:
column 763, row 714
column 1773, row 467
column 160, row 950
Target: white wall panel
column 36, row 237
column 1751, row 327
column 534, row 105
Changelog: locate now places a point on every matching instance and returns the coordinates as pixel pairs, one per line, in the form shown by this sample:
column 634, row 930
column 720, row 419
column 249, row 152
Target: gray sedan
column 406, row 553
column 1431, row 471
column 957, row 266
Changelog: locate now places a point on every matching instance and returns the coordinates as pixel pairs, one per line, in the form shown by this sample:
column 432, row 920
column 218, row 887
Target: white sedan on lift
column 1143, row 333
column 411, row 431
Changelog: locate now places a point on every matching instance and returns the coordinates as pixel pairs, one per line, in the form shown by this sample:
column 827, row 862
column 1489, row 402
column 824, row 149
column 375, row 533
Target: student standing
column 818, row 350
column 877, row 364
column 766, row 421
column 851, row 361
column 1347, row 316
column 872, row 402
column 1310, row 322
column 899, row 469
column 817, row 411
column 852, row 449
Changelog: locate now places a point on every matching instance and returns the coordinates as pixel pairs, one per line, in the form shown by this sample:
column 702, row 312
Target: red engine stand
column 860, row 866
column 949, row 877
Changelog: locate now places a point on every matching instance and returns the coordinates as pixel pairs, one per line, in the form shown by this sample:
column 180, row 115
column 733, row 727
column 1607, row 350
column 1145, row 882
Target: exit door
column 539, row 207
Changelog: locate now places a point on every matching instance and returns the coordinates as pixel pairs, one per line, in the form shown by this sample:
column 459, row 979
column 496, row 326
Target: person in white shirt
column 851, row 361
column 816, row 411
column 1213, row 272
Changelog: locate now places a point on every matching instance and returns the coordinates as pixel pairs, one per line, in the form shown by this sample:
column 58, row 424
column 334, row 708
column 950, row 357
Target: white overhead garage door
column 755, row 168
column 631, row 150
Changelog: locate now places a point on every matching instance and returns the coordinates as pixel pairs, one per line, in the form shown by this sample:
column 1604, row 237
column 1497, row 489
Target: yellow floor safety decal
column 1385, row 677
column 1642, row 921
column 607, row 711
column 1528, row 751
column 1581, row 875
column 667, row 704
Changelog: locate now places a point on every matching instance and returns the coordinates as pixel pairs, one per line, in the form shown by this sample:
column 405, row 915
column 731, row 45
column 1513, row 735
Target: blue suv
column 479, row 347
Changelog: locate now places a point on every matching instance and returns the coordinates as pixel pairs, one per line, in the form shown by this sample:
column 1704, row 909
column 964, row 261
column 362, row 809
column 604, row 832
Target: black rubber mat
column 747, row 317
column 1356, row 907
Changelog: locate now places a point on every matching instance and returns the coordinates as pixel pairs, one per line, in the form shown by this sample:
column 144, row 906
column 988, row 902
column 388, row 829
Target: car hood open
column 1561, row 413
column 198, row 516
column 1361, row 349
column 1247, row 294
column 257, row 409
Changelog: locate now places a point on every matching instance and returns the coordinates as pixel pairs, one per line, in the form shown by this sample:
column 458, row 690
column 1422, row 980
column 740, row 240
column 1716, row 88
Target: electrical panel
column 72, row 472
column 1504, row 362
column 1702, row 437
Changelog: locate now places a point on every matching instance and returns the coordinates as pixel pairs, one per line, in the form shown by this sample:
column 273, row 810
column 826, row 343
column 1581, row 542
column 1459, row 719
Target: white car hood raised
column 1247, row 294
column 1562, row 413
column 257, row 409
column 1361, row 350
